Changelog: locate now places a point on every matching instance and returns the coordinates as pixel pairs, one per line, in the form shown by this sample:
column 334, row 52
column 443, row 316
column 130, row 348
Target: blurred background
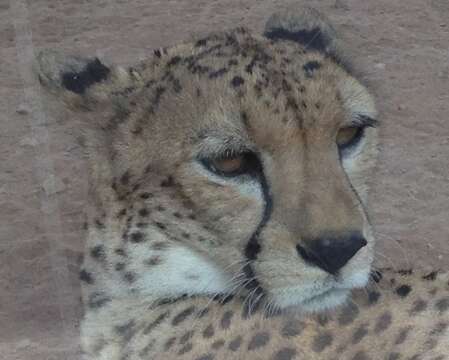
column 401, row 47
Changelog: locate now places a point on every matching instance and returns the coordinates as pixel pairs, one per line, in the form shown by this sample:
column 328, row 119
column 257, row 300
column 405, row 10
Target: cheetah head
column 236, row 162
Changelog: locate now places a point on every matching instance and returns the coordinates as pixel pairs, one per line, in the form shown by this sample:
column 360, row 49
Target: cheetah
column 227, row 205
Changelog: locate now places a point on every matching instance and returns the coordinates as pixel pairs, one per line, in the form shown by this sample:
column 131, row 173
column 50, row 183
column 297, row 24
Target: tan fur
column 162, row 225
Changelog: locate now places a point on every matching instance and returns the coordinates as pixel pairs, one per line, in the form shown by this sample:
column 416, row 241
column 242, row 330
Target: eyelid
column 363, row 121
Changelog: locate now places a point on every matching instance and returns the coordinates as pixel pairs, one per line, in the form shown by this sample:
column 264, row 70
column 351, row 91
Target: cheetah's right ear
column 307, row 27
column 82, row 83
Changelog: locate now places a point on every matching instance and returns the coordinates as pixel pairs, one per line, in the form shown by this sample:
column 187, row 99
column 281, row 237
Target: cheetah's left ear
column 82, row 83
column 307, row 27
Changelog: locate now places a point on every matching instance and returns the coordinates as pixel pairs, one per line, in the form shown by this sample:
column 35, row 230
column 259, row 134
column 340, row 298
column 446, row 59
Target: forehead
column 249, row 81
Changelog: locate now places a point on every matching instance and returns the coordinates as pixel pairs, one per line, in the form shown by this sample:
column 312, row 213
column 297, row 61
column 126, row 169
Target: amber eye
column 233, row 164
column 228, row 165
column 349, row 136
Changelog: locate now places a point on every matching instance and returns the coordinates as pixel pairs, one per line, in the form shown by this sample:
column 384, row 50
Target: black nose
column 331, row 253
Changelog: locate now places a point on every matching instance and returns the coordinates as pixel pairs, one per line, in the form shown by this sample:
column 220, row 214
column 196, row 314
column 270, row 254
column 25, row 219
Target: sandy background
column 402, row 47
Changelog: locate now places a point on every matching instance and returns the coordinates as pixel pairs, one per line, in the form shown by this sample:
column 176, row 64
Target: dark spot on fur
column 237, row 81
column 177, row 215
column 160, row 90
column 349, row 314
column 157, row 53
column 310, row 67
column 124, row 179
column 430, row 276
column 97, row 300
column 402, row 336
column 186, row 337
column 376, row 276
column 144, row 352
column 121, row 213
column 201, row 42
column 142, row 224
column 86, row 277
column 183, row 315
column 99, row 224
column 120, row 251
column 291, row 104
column 202, row 313
column 258, row 340
column 443, row 304
column 322, row 341
column 217, row 344
column 168, row 182
column 244, row 117
column 418, row 306
column 292, row 328
column 226, row 319
column 144, row 212
column 383, row 322
column 137, row 237
column 159, row 245
column 415, row 357
column 160, row 208
column 153, row 261
column 286, row 86
column 359, row 333
column 405, row 272
column 233, row 62
column 361, row 355
column 130, row 277
column 218, row 73
column 205, row 357
column 373, row 297
column 235, row 343
column 208, row 331
column 185, row 349
column 160, row 225
column 146, row 195
column 174, row 60
column 98, row 253
column 126, row 331
column 439, row 329
column 403, row 290
column 393, row 356
column 119, row 266
column 285, row 354
column 93, row 72
column 177, row 88
column 155, row 323
column 169, row 343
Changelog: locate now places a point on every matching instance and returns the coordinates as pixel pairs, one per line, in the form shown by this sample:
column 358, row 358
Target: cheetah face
column 267, row 143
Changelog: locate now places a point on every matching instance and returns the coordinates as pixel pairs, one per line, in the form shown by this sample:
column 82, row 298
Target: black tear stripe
column 79, row 82
column 253, row 246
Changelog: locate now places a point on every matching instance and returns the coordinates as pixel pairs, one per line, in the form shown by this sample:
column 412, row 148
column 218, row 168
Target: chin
column 326, row 300
column 315, row 298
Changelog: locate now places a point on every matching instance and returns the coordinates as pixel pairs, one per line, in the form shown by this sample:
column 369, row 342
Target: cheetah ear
column 305, row 26
column 82, row 83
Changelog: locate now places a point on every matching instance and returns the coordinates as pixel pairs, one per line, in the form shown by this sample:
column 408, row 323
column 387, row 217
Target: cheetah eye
column 231, row 164
column 349, row 136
